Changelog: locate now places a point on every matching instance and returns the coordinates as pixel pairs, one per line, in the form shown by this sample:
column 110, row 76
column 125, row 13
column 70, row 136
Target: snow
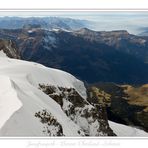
column 60, row 29
column 93, row 128
column 2, row 54
column 37, row 73
column 66, row 105
column 123, row 130
column 83, row 123
column 88, row 124
column 19, row 82
column 9, row 102
column 56, row 29
column 30, row 31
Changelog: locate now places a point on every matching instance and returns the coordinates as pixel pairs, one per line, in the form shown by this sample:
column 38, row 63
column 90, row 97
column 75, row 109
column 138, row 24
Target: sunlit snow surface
column 19, row 85
column 123, row 130
column 2, row 54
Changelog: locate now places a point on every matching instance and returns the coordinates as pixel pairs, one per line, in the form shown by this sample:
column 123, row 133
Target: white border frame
column 106, row 141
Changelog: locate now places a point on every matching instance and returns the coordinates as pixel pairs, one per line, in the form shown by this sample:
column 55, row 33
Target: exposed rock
column 9, row 48
column 128, row 104
column 91, row 117
column 52, row 127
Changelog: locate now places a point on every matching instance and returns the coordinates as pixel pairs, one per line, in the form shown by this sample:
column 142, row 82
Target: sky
column 134, row 22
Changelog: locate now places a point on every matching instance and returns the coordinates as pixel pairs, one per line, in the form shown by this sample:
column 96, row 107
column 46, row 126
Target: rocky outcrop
column 51, row 126
column 9, row 48
column 128, row 104
column 90, row 116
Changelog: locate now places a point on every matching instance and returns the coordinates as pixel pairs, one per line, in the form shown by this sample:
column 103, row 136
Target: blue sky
column 131, row 21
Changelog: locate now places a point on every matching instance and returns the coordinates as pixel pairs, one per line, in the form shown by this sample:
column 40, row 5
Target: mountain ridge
column 111, row 56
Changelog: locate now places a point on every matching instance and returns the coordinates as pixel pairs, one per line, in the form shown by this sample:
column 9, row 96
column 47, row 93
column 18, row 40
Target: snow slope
column 7, row 105
column 2, row 54
column 123, row 130
column 21, row 79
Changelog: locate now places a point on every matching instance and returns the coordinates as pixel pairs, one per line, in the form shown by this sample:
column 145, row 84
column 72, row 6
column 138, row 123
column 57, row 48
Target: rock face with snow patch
column 9, row 49
column 91, row 118
column 51, row 126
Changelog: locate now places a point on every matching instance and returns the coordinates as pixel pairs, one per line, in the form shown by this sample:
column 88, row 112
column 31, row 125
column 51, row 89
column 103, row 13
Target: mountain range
column 44, row 22
column 92, row 56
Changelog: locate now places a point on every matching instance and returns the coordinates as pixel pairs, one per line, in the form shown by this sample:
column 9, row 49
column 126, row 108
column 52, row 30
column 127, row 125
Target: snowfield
column 21, row 98
column 7, row 105
column 126, row 131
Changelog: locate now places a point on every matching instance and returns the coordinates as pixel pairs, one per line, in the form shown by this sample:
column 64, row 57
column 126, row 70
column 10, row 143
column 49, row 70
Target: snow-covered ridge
column 123, row 130
column 9, row 102
column 37, row 73
column 25, row 77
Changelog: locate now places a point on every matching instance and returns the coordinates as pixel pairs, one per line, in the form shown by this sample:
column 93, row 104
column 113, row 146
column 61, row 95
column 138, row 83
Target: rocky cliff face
column 9, row 48
column 121, row 40
column 90, row 116
column 128, row 104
